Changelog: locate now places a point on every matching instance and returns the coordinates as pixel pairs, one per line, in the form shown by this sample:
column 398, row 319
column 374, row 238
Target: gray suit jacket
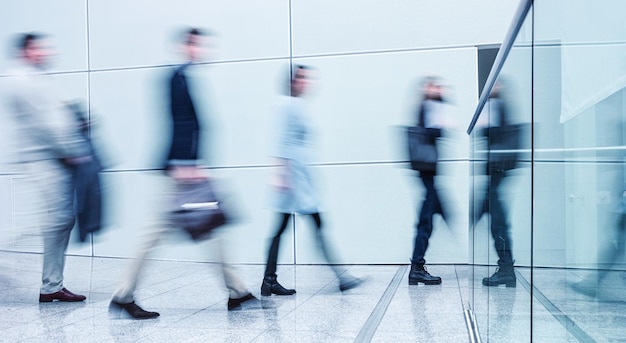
column 45, row 127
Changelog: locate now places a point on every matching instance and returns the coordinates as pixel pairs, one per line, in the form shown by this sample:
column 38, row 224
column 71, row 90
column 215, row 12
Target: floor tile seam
column 459, row 288
column 367, row 332
column 570, row 326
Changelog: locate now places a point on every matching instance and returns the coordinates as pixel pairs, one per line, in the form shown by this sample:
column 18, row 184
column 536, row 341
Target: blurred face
column 38, row 53
column 301, row 82
column 194, row 48
column 433, row 90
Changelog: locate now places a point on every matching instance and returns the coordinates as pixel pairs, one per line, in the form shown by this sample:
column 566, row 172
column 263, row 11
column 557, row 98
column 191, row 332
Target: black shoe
column 134, row 310
column 419, row 274
column 502, row 276
column 63, row 295
column 349, row 283
column 248, row 302
column 271, row 286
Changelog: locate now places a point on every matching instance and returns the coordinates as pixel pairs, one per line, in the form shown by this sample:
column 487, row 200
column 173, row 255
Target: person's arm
column 52, row 122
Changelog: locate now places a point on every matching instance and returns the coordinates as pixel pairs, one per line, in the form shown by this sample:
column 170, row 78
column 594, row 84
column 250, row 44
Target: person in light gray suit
column 49, row 144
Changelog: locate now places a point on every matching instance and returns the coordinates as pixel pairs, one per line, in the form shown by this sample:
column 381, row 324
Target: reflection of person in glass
column 431, row 114
column 496, row 116
column 296, row 191
column 610, row 255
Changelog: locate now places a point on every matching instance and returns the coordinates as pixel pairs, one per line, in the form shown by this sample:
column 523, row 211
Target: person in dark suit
column 183, row 169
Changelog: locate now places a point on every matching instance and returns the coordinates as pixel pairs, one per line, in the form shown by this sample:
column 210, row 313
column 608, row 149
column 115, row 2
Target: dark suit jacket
column 185, row 126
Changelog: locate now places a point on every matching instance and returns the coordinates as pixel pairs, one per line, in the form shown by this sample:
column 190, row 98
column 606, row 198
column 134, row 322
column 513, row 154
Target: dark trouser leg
column 272, row 256
column 322, row 244
column 430, row 206
column 499, row 226
column 504, row 275
column 346, row 281
column 270, row 284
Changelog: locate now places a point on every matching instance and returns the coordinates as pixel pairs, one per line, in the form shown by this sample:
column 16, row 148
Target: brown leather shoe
column 62, row 295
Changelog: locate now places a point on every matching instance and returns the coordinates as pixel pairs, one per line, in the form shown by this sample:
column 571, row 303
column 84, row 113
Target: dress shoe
column 134, row 310
column 419, row 274
column 504, row 275
column 349, row 283
column 246, row 302
column 62, row 295
column 271, row 286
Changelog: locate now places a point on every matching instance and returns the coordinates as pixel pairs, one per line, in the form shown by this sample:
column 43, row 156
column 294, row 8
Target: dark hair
column 191, row 32
column 25, row 40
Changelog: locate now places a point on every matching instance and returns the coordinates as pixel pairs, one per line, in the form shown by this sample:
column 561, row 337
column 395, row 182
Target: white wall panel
column 65, row 22
column 370, row 214
column 141, row 32
column 327, row 26
column 359, row 101
column 241, row 110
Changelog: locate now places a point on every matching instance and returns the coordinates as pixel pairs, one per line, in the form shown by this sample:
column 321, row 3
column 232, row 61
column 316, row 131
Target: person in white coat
column 296, row 192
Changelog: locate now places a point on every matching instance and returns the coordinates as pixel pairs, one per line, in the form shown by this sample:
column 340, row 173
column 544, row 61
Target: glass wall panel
column 501, row 200
column 548, row 155
column 578, row 107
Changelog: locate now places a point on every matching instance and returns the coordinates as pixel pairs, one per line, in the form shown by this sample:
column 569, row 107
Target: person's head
column 432, row 88
column 498, row 88
column 300, row 80
column 34, row 49
column 193, row 44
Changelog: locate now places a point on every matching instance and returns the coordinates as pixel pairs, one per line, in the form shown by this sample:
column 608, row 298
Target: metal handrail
column 505, row 48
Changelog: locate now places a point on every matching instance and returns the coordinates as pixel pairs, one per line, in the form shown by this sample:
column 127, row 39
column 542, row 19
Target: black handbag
column 504, row 144
column 422, row 145
column 197, row 210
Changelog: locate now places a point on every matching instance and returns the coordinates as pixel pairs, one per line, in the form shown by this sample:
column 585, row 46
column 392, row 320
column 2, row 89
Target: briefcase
column 197, row 210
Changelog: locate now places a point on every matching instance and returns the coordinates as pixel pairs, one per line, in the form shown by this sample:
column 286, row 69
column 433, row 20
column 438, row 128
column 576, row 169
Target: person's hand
column 188, row 174
column 281, row 182
column 77, row 160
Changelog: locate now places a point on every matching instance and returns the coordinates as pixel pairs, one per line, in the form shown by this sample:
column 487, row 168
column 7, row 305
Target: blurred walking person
column 184, row 172
column 430, row 115
column 294, row 185
column 50, row 144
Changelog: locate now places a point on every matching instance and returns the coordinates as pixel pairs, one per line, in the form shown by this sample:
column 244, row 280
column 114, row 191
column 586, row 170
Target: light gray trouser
column 56, row 196
column 158, row 229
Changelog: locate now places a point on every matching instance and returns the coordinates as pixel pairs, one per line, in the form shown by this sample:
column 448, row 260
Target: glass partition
column 548, row 157
column 501, row 199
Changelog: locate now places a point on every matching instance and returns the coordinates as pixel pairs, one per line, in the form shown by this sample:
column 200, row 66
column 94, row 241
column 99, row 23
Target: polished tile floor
column 192, row 303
